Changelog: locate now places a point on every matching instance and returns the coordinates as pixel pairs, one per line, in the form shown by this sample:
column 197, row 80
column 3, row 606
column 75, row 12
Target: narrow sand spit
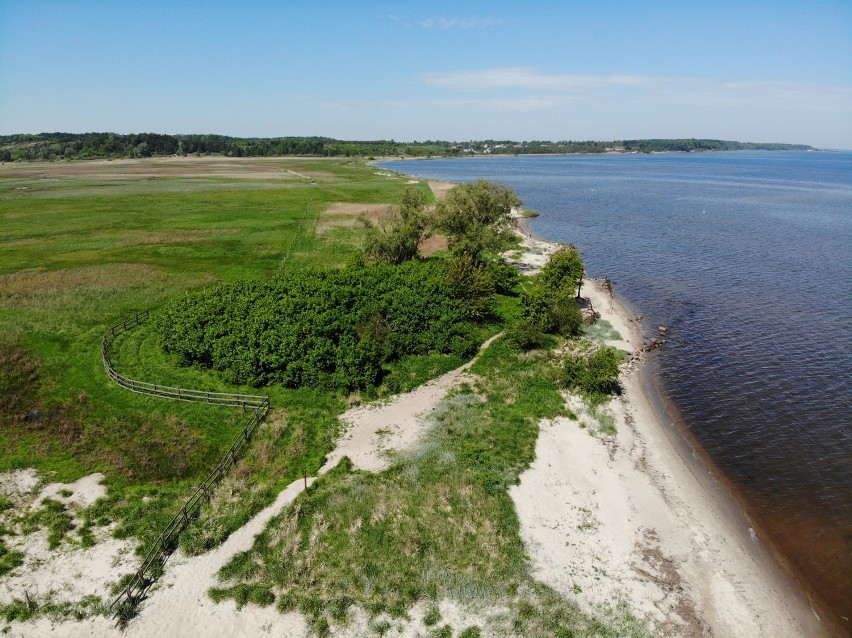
column 533, row 252
column 624, row 518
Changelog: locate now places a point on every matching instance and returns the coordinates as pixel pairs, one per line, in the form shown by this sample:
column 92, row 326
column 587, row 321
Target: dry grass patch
column 432, row 245
column 112, row 276
column 440, row 189
column 219, row 167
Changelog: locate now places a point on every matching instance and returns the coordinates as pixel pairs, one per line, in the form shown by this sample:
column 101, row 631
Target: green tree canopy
column 394, row 239
column 477, row 218
column 563, row 271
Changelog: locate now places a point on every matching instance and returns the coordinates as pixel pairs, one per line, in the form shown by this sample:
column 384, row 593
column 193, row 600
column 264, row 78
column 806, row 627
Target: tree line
column 53, row 146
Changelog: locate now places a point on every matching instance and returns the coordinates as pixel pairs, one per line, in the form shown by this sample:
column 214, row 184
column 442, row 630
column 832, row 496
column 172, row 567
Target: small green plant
column 444, row 632
column 382, row 627
column 471, row 632
column 9, row 559
column 433, row 615
column 595, row 374
column 54, row 517
column 242, row 594
column 602, row 331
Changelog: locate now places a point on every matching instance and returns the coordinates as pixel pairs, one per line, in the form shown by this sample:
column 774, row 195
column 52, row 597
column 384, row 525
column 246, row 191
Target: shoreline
column 772, row 564
column 644, row 390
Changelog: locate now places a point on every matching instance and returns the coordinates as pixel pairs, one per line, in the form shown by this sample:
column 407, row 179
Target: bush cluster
column 548, row 304
column 593, row 374
column 333, row 328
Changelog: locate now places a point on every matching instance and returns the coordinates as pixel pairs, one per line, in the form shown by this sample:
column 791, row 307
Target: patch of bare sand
column 70, row 572
column 624, row 518
column 440, row 189
column 348, row 215
column 533, row 253
column 371, row 211
column 377, row 431
column 82, row 492
column 178, row 605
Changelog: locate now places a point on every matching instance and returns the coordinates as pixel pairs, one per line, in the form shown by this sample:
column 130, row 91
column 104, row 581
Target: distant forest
column 53, row 146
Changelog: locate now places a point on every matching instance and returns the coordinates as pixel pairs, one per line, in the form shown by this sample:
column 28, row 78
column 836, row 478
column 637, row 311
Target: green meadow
column 84, row 245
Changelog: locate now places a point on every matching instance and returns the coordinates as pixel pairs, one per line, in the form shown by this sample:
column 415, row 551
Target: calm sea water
column 747, row 258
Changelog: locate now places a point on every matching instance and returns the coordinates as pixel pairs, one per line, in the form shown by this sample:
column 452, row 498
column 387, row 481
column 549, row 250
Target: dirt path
column 376, row 432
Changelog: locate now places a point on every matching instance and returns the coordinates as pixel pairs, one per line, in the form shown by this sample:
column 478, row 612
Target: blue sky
column 751, row 71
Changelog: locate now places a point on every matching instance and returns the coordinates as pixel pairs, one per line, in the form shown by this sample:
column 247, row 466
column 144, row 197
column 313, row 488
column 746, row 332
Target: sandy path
column 377, row 431
column 625, row 517
column 440, row 189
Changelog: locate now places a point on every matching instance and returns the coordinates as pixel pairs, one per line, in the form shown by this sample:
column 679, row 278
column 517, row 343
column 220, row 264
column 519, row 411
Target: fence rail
column 164, row 391
column 134, row 590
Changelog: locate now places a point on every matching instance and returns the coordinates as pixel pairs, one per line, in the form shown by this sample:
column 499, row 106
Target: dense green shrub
column 472, row 285
column 505, row 277
column 564, row 314
column 333, row 328
column 563, row 271
column 549, row 301
column 526, row 335
column 594, row 375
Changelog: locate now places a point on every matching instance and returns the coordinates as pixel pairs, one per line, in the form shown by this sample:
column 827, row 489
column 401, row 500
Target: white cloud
column 510, row 81
column 451, row 22
column 458, row 23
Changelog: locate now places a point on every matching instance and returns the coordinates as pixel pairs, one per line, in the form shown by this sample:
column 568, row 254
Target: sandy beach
column 625, row 517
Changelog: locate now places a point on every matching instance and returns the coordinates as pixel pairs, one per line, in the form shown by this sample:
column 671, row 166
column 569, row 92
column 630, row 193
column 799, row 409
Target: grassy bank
column 436, row 525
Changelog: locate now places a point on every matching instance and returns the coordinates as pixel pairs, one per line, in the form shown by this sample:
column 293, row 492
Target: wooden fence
column 136, row 587
column 164, row 391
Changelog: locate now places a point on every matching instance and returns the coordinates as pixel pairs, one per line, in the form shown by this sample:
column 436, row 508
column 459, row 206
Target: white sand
column 624, row 518
column 178, row 605
column 533, row 253
column 84, row 491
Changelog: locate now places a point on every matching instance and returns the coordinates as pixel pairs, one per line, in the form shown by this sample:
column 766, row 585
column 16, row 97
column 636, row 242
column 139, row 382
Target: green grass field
column 84, row 245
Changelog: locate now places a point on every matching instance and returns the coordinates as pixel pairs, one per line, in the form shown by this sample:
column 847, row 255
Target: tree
column 477, row 218
column 563, row 272
column 472, row 284
column 395, row 238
